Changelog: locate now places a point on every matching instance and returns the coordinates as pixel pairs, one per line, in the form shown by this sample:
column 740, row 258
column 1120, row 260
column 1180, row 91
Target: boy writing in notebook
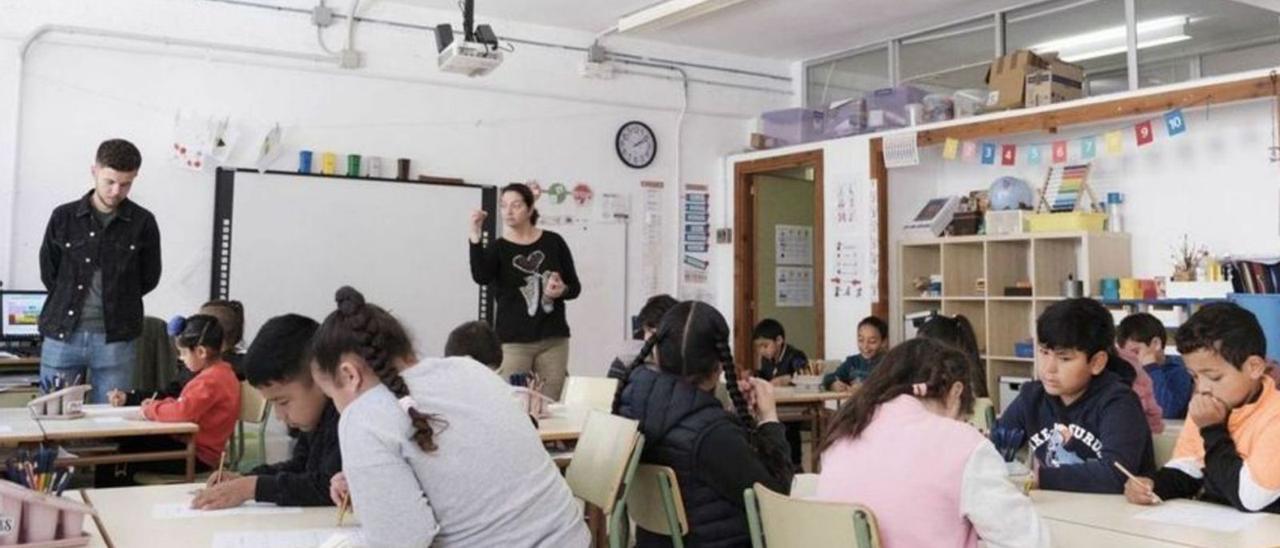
column 1079, row 418
column 1229, row 448
column 778, row 360
column 276, row 366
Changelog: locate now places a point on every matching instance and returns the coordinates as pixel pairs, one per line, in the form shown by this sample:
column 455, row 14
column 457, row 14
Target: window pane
column 1221, row 36
column 949, row 59
column 848, row 77
column 1090, row 34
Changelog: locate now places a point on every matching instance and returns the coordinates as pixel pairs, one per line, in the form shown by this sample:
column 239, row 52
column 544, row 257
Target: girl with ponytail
column 434, row 452
column 901, row 447
column 716, row 454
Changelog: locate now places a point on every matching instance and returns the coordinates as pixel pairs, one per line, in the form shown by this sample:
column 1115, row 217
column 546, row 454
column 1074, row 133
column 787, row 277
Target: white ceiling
column 778, row 29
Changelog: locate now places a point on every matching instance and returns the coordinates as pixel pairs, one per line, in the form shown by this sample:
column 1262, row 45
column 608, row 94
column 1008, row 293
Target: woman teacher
column 531, row 273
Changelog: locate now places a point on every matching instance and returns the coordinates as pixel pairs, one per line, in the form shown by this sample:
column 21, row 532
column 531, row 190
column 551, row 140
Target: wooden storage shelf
column 1044, row 259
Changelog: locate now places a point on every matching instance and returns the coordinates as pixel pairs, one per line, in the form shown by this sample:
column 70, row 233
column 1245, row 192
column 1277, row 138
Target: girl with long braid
column 434, row 451
column 715, row 454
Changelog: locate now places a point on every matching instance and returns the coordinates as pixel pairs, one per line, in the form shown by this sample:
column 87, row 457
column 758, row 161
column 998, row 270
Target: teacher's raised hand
column 477, row 225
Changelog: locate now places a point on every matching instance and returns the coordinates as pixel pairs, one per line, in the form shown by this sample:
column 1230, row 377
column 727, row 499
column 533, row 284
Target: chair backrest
column 601, row 459
column 984, row 414
column 1163, row 444
column 593, row 392
column 654, row 502
column 253, row 407
column 804, row 485
column 779, row 520
column 829, row 366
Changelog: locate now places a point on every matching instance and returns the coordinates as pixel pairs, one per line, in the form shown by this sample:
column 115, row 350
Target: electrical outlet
column 349, row 59
column 724, row 235
column 599, row 71
column 322, row 16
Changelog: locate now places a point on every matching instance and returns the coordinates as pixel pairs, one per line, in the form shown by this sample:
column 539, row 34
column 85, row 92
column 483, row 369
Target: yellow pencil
column 217, row 474
column 342, row 509
column 1132, row 477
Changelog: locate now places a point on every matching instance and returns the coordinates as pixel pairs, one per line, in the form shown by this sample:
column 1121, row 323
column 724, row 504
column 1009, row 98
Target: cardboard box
column 1007, row 79
column 1059, row 82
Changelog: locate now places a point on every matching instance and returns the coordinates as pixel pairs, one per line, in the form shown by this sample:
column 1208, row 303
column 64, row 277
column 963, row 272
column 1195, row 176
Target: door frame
column 744, row 222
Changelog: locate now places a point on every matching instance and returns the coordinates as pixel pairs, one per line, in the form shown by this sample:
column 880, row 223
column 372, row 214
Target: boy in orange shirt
column 1229, row 449
column 211, row 399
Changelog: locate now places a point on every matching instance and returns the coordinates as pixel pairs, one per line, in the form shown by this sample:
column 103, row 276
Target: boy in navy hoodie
column 1144, row 336
column 1080, row 418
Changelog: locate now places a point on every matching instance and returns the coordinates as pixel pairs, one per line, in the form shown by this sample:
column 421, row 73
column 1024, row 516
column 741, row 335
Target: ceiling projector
column 477, row 54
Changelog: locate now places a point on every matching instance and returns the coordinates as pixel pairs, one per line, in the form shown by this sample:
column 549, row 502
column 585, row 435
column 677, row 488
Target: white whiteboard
column 297, row 239
column 598, row 324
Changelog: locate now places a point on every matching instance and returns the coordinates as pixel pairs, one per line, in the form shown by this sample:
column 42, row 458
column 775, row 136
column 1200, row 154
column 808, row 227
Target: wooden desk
column 17, row 427
column 564, row 424
column 91, row 525
column 811, row 404
column 23, row 362
column 1111, row 515
column 125, row 518
column 101, row 422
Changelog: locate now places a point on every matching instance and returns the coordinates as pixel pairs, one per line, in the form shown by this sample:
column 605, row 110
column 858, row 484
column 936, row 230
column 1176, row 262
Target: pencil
column 342, row 508
column 217, row 474
column 1122, row 470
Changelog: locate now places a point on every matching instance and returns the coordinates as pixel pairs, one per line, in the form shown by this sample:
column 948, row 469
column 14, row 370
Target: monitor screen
column 21, row 313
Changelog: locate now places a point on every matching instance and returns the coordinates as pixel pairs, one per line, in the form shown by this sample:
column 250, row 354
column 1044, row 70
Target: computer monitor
column 20, row 314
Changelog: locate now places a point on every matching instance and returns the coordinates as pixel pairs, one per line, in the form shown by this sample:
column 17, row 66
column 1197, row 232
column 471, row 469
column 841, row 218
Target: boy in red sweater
column 211, row 399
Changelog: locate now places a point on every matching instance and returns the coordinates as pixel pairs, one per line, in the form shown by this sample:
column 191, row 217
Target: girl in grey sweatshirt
column 436, row 452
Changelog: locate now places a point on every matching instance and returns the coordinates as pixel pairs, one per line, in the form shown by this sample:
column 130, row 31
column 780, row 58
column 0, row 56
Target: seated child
column 1079, row 419
column 1144, row 336
column 958, row 333
column 1229, row 448
column 230, row 315
column 882, row 450
column 650, row 314
column 434, row 452
column 778, row 360
column 211, row 400
column 873, row 338
column 475, row 340
column 716, row 453
column 276, row 366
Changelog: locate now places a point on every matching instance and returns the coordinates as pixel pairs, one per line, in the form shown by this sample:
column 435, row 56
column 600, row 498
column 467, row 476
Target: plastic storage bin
column 793, row 126
column 846, row 118
column 887, row 107
column 1066, row 222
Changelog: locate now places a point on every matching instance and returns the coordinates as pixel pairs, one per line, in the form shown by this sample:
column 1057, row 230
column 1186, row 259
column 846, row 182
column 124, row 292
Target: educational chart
column 901, row 150
column 793, row 245
column 696, row 241
column 651, row 248
column 854, row 273
column 847, row 216
column 873, row 240
column 847, row 282
column 794, row 286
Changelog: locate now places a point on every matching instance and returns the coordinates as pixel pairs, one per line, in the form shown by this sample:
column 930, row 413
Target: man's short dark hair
column 1141, row 327
column 279, row 352
column 768, row 328
column 1225, row 329
column 477, row 341
column 1077, row 324
column 119, row 154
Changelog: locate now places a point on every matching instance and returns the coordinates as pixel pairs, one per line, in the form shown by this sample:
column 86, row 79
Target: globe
column 1011, row 193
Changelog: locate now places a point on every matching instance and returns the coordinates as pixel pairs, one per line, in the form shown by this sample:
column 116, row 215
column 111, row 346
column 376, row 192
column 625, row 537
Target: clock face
column 636, row 144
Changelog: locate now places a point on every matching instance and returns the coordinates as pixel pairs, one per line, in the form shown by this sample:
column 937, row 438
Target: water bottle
column 1115, row 212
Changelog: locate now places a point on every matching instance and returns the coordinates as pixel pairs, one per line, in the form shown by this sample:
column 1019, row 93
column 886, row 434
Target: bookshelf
column 999, row 321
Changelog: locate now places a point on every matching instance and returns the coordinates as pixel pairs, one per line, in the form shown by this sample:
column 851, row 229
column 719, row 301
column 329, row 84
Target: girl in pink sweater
column 901, row 448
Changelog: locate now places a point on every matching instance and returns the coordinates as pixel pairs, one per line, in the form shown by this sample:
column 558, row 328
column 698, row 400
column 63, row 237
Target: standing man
column 100, row 255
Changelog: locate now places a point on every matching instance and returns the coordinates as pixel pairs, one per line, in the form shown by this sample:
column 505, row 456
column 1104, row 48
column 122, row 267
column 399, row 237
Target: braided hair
column 370, row 332
column 692, row 341
column 920, row 361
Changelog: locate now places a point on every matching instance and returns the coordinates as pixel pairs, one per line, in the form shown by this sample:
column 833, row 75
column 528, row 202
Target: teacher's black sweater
column 517, row 275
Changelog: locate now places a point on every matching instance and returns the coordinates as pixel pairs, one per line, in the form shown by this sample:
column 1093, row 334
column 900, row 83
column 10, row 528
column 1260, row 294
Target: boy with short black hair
column 475, row 340
column 1229, row 448
column 1145, row 337
column 778, row 360
column 1079, row 418
column 649, row 317
column 277, row 366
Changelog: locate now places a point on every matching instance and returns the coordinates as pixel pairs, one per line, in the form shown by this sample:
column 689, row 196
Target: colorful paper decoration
column 1059, row 152
column 988, row 153
column 1175, row 123
column 1033, row 155
column 1088, row 148
column 969, row 151
column 1115, row 143
column 950, row 148
column 1008, row 154
column 1144, row 133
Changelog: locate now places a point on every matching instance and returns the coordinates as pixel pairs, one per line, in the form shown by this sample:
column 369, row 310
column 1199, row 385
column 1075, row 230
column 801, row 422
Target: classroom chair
column 591, row 392
column 984, row 415
column 655, row 505
column 1163, row 444
column 604, row 463
column 804, row 485
column 778, row 520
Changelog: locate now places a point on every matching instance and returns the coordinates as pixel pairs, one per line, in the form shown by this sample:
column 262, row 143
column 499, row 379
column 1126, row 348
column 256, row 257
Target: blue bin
column 1267, row 309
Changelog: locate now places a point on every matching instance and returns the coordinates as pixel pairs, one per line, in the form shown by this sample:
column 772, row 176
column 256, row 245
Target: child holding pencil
column 900, row 446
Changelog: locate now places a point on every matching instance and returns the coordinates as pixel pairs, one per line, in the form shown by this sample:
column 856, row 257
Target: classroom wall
column 533, row 119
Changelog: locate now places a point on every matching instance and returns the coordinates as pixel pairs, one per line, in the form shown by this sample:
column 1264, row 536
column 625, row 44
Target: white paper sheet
column 296, row 538
column 182, row 510
column 1203, row 516
column 793, row 245
column 794, row 286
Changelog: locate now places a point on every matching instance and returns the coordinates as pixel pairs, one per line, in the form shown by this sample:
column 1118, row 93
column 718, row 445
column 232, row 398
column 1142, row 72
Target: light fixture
column 669, row 13
column 1110, row 41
